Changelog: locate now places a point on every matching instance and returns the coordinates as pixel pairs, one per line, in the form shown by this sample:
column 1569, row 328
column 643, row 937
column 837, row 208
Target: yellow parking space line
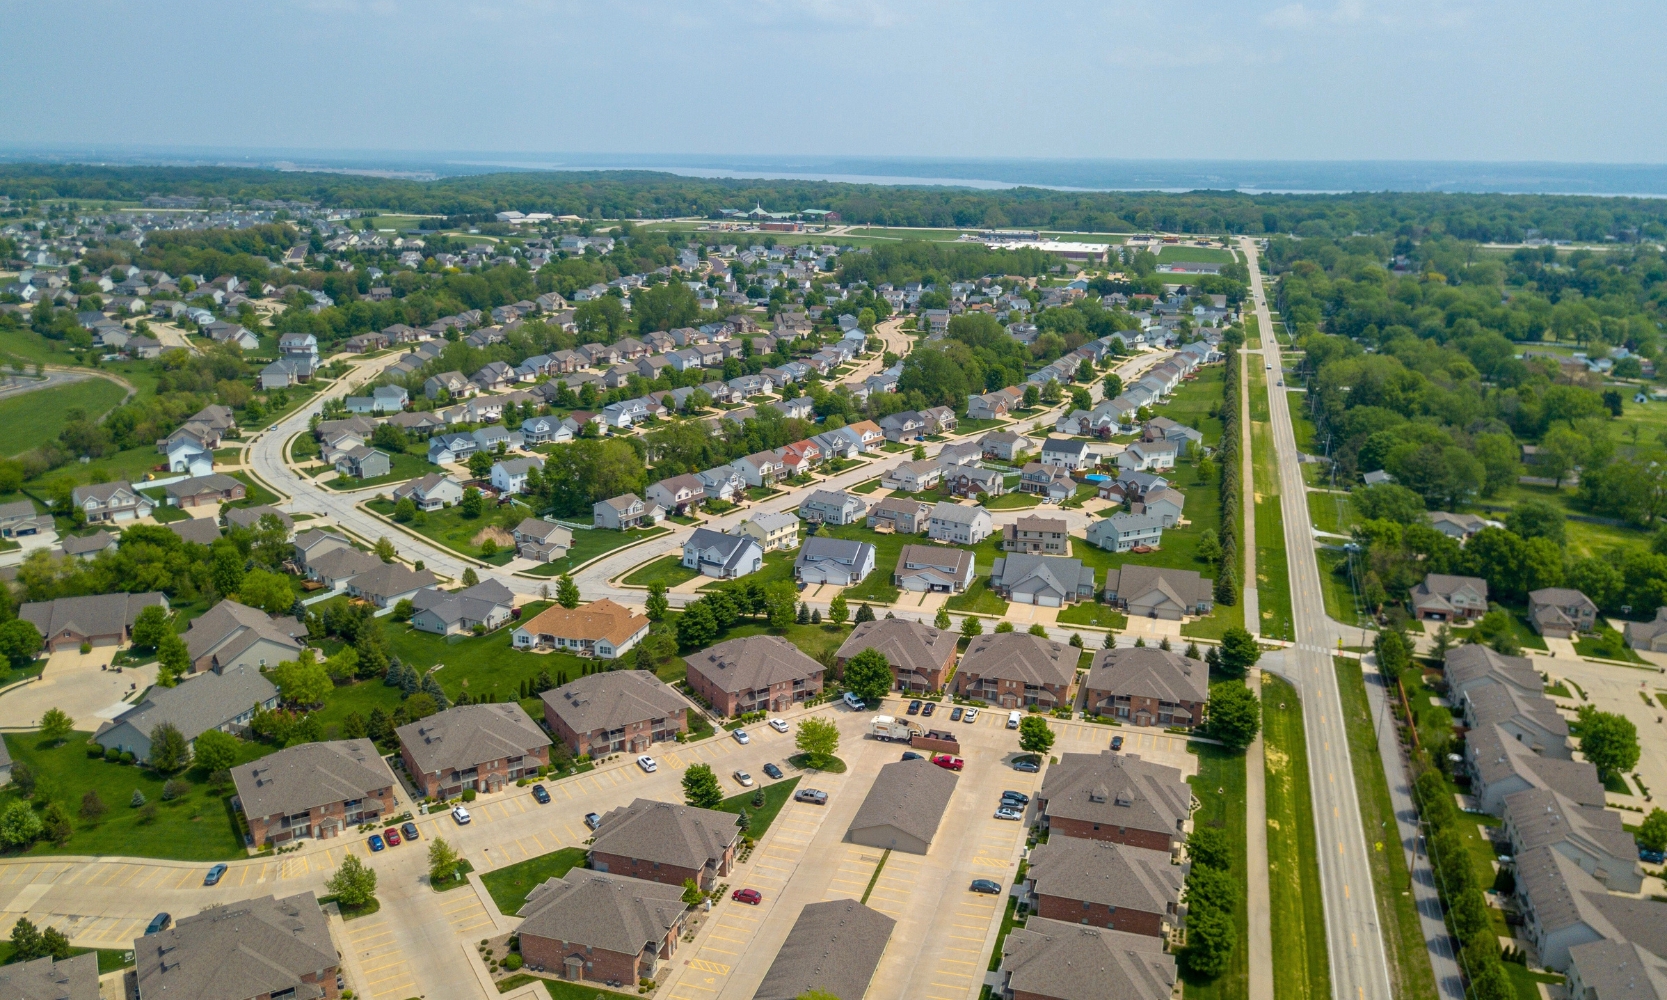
column 394, row 990
column 970, row 927
column 370, row 943
column 737, row 916
column 462, row 906
column 957, row 961
column 537, row 843
column 715, row 968
column 398, row 975
column 722, row 951
column 466, row 928
column 703, row 989
column 564, row 790
column 728, row 940
column 950, row 972
column 774, row 868
column 397, row 964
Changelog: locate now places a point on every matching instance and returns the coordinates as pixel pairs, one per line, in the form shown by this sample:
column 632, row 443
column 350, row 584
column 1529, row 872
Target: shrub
column 173, row 789
column 94, row 752
column 468, row 795
column 127, row 757
column 86, row 647
column 512, row 962
column 137, row 800
column 112, row 755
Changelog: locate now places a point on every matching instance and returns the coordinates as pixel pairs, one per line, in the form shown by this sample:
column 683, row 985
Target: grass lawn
column 1409, row 964
column 1093, row 613
column 668, row 570
column 405, row 466
column 1301, row 969
column 510, row 885
column 254, row 494
column 1606, row 644
column 37, row 417
column 1302, row 426
column 1333, row 512
column 977, row 426
column 777, row 566
column 1273, row 579
column 1216, row 624
column 1339, row 596
column 1220, row 790
column 450, row 527
column 759, row 818
column 588, row 545
column 1584, row 538
column 109, row 959
column 1013, row 501
column 1194, row 255
column 1009, row 920
column 196, row 826
column 458, row 880
column 978, row 598
column 868, row 487
column 560, row 990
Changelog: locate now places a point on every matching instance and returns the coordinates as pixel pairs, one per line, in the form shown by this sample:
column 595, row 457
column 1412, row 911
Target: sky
column 1234, row 79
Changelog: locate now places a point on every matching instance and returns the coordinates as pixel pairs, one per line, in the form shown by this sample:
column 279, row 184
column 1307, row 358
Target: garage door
column 1020, row 597
column 1047, row 600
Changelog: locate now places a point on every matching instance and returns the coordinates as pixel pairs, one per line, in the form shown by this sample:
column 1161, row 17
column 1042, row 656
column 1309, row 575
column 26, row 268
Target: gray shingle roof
column 467, row 735
column 1020, row 656
column 228, row 628
column 752, row 662
column 476, row 603
column 1107, row 873
column 391, row 579
column 834, row 946
column 1051, row 958
column 1497, row 756
column 1618, row 970
column 206, row 701
column 666, row 833
column 310, row 775
column 202, row 530
column 104, row 614
column 245, row 949
column 74, row 978
column 1150, row 673
column 613, row 912
column 1117, row 789
column 909, row 795
column 611, row 699
column 907, row 645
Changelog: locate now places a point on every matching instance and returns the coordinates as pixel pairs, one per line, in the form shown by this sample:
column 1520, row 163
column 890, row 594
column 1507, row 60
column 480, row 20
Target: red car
column 945, row 760
column 752, row 896
column 391, row 835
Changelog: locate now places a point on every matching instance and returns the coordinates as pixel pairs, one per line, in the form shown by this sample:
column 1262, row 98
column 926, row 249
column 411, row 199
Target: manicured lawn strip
column 1409, row 963
column 1093, row 613
column 978, row 598
column 196, row 826
column 760, row 818
column 977, row 426
column 1302, row 426
column 877, row 586
column 1333, row 512
column 1194, row 255
column 668, row 570
column 1013, row 501
column 1223, row 769
column 868, row 487
column 587, row 545
column 1008, row 922
column 560, row 990
column 1224, row 617
column 37, row 417
column 458, row 881
column 1615, row 649
column 404, row 465
column 1273, row 580
column 1334, row 586
column 254, row 495
column 1526, row 983
column 109, row 959
column 510, row 884
column 777, row 566
column 1301, row 968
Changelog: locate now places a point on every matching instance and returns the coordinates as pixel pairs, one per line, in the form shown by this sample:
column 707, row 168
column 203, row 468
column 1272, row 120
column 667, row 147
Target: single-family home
column 1047, row 536
column 713, row 553
column 933, row 569
column 235, row 635
column 510, row 475
column 913, row 477
column 431, row 492
column 485, row 606
column 1048, row 581
column 624, row 512
column 899, row 514
column 386, row 584
column 834, row 561
column 601, row 629
column 1561, row 612
column 1123, row 532
column 96, row 620
column 1003, row 446
column 774, row 532
column 832, row 507
column 224, row 700
column 1157, row 592
column 116, row 501
column 959, row 524
column 1443, row 598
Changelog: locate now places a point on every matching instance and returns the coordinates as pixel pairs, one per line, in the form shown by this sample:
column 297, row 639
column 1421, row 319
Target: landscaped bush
column 468, row 795
column 512, row 962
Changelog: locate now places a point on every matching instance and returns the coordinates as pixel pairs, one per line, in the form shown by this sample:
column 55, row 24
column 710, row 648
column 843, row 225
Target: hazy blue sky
column 1514, row 80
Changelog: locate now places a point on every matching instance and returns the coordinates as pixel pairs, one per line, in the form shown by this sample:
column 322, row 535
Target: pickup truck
column 887, row 727
column 951, row 763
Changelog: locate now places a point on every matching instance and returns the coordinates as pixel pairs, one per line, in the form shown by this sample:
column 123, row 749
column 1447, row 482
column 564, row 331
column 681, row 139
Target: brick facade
column 322, row 822
column 779, row 698
column 1076, row 911
column 1009, row 694
column 649, row 871
column 633, row 737
column 485, row 776
column 597, row 965
column 1141, row 711
column 1155, row 840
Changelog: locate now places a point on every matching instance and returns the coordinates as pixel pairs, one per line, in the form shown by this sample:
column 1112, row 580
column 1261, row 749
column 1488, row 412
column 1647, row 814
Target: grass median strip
column 1219, row 787
column 876, row 876
column 1301, row 968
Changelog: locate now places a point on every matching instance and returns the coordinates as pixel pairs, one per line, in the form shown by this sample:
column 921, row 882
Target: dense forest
column 647, row 195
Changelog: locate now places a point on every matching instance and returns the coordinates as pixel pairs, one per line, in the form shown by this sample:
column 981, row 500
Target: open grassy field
column 1198, row 255
column 1333, row 512
column 451, row 528
column 1273, row 579
column 1403, row 938
column 1219, row 787
column 1301, row 968
column 35, row 418
column 588, row 545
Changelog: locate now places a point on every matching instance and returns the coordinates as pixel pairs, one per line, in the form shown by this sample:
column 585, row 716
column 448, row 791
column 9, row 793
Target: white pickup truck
column 888, row 728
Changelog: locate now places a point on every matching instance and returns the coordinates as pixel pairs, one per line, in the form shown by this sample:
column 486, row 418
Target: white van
column 1013, row 720
column 853, row 702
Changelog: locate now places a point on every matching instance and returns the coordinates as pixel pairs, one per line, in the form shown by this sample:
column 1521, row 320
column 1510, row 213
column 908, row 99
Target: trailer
column 891, row 729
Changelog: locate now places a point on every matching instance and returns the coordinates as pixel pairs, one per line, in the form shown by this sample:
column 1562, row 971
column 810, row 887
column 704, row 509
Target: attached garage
column 904, row 807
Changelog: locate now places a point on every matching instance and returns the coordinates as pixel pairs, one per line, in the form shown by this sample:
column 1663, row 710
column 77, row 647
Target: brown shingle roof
column 310, row 775
column 467, row 735
column 666, row 833
column 611, row 699
column 597, row 620
column 752, row 662
column 246, row 949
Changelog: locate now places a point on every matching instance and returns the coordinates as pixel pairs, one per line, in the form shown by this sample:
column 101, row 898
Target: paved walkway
column 1256, row 802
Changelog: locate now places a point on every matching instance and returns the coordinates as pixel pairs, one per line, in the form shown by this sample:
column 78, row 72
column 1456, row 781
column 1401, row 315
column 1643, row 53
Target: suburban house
column 89, row 546
column 1002, row 446
column 625, row 511
column 933, row 569
column 596, row 927
column 995, row 405
column 1561, row 612
column 1458, row 527
column 317, row 790
column 202, row 530
column 677, row 494
column 1047, row 581
column 903, row 514
column 970, row 480
column 1499, row 766
column 19, row 519
column 542, row 541
column 1060, row 960
column 832, row 507
column 431, row 492
column 666, row 843
column 615, row 711
column 235, row 635
column 363, row 462
column 1036, row 535
column 1591, row 836
column 1105, row 884
column 100, row 620
column 386, row 584
column 198, row 491
column 486, row 605
column 834, row 561
column 958, row 524
column 1443, row 598
column 510, row 475
column 913, row 477
column 447, row 449
column 903, row 426
column 1047, row 479
column 757, row 673
column 1117, row 797
column 482, row 747
column 759, row 469
column 1156, row 592
column 1123, row 531
column 1166, row 504
column 117, row 501
column 334, row 567
column 252, row 949
column 1069, row 453
column 774, row 532
column 920, row 655
column 225, row 701
column 1148, row 456
column 713, row 553
column 601, row 629
column 1650, row 635
column 1016, row 669
column 1147, row 687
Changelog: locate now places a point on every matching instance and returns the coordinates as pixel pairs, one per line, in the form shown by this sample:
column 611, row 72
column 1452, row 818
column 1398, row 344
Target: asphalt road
column 1359, row 966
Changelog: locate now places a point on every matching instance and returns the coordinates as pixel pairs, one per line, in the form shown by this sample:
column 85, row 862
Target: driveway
column 81, row 684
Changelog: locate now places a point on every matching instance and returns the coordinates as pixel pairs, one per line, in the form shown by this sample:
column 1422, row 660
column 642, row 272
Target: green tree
column 302, row 682
column 1211, row 847
column 657, row 605
column 268, row 591
column 168, row 750
column 1394, row 654
column 26, row 942
column 941, row 620
column 385, row 550
column 1235, row 714
column 1038, row 629
column 1239, row 652
column 405, row 511
column 172, row 658
column 56, row 825
column 1211, row 938
column 353, row 884
column 1652, row 833
column 696, row 628
column 701, row 788
column 567, row 592
column 1035, row 735
column 838, row 610
column 480, row 466
column 92, row 807
column 19, row 825
column 692, row 895
column 20, row 641
column 56, row 725
column 864, row 613
column 818, row 740
column 473, row 503
column 443, row 860
column 1608, row 740
column 971, row 626
column 869, row 676
column 215, row 751
column 149, row 626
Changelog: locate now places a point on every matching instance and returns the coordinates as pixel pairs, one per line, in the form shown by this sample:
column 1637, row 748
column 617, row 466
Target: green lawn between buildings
column 1219, row 787
column 510, row 884
column 1301, row 968
column 668, row 570
column 759, row 818
column 404, row 467
column 588, row 545
column 451, row 528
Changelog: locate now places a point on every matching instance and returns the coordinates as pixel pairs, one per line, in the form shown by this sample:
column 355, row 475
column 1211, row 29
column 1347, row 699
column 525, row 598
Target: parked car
column 593, row 820
column 914, row 707
column 927, row 709
column 773, row 771
column 541, row 795
column 949, row 762
column 158, row 923
column 461, row 815
column 214, row 875
column 1019, row 797
column 813, row 796
column 1644, row 854
column 410, row 831
column 743, row 779
column 741, row 737
column 852, row 702
column 647, row 764
column 779, row 725
column 1027, row 765
column 1117, row 742
column 955, row 714
column 971, row 716
column 751, row 896
column 1013, row 720
column 985, row 885
column 390, row 836
column 911, row 755
column 376, row 842
column 1006, row 813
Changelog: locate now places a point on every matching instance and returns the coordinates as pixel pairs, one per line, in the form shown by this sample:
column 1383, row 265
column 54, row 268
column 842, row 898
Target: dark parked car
column 214, row 874
column 987, row 886
column 955, row 714
column 159, row 923
column 593, row 820
column 541, row 795
column 911, row 755
column 914, row 707
column 927, row 709
column 1019, row 797
column 1026, row 764
column 811, row 795
column 1117, row 742
column 772, row 770
column 376, row 842
column 409, row 829
column 1652, row 857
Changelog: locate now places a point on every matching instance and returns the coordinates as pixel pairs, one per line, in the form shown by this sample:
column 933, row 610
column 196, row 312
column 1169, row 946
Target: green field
column 1409, row 964
column 37, row 417
column 1333, row 512
column 588, row 545
column 405, row 466
column 1197, row 255
column 1093, row 613
column 510, row 885
column 1219, row 787
column 668, row 570
column 1301, row 969
column 451, row 528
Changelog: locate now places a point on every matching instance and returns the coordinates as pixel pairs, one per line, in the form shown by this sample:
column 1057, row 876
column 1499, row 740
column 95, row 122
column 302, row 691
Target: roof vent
column 1125, row 796
column 1098, row 793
